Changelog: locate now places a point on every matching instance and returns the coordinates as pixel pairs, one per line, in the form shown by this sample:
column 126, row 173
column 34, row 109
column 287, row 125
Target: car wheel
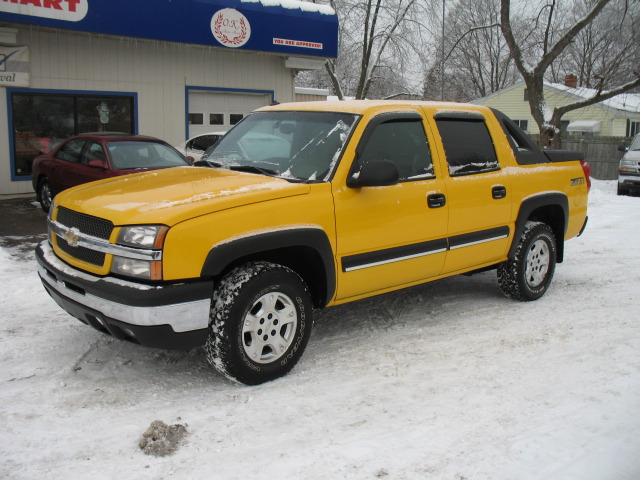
column 45, row 194
column 260, row 323
column 527, row 276
column 622, row 191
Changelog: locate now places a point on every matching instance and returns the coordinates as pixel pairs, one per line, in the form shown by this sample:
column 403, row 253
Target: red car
column 94, row 156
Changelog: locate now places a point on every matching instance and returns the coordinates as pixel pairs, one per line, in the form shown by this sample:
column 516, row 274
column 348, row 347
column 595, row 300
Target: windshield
column 635, row 145
column 141, row 154
column 300, row 146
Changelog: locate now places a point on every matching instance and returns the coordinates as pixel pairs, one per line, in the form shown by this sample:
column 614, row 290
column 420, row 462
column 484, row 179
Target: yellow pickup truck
column 306, row 205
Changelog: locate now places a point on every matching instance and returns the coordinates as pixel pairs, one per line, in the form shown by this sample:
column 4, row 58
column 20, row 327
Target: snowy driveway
column 448, row 380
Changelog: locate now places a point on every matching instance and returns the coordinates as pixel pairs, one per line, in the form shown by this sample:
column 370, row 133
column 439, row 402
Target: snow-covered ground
column 449, row 380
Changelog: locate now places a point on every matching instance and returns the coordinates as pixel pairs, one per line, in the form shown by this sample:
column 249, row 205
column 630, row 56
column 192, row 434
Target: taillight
column 587, row 173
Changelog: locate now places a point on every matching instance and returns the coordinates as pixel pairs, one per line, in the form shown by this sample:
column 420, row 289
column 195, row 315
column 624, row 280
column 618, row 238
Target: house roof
column 626, row 102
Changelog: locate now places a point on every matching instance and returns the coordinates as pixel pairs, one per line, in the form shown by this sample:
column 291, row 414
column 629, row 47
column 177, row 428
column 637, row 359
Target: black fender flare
column 530, row 205
column 222, row 255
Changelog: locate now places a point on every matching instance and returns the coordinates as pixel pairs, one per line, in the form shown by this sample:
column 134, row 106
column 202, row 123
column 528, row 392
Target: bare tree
column 606, row 50
column 376, row 44
column 549, row 49
column 477, row 59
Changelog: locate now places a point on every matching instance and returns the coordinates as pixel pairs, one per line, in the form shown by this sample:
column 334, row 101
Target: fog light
column 148, row 270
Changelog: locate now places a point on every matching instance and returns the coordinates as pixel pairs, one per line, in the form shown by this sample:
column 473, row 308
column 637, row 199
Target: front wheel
column 45, row 194
column 528, row 275
column 260, row 323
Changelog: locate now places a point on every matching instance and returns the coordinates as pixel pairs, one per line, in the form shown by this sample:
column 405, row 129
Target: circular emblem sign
column 230, row 27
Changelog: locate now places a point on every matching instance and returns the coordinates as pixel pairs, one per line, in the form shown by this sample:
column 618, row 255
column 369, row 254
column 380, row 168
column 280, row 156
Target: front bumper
column 171, row 315
column 629, row 182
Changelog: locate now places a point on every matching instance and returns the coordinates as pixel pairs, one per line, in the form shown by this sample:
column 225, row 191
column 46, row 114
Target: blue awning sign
column 230, row 28
column 288, row 27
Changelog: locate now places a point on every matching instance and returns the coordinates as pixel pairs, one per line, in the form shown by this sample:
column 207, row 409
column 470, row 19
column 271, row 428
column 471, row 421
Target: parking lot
column 446, row 380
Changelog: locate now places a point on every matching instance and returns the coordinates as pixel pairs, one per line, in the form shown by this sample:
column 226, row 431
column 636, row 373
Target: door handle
column 499, row 192
column 436, row 200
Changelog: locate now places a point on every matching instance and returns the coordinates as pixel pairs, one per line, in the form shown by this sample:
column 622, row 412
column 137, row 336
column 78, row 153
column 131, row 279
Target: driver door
column 391, row 236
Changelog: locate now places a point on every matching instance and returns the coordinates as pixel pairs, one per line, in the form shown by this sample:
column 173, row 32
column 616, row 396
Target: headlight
column 143, row 236
column 628, row 166
column 149, row 237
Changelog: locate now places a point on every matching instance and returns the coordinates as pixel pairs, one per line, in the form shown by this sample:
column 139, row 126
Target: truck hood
column 171, row 195
column 633, row 155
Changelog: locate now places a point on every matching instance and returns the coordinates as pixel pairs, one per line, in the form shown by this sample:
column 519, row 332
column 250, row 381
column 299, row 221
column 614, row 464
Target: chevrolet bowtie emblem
column 71, row 238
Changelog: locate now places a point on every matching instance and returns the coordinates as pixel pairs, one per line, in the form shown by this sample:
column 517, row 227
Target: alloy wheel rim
column 269, row 327
column 537, row 265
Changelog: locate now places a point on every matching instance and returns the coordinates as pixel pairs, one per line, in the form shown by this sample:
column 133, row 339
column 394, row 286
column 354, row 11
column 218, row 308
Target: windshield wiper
column 206, row 163
column 253, row 169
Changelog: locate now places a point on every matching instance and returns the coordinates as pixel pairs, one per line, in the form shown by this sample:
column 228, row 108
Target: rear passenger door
column 477, row 192
column 389, row 236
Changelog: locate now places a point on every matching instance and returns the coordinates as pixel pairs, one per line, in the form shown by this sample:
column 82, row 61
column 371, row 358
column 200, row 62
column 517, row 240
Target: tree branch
column 465, row 34
column 598, row 97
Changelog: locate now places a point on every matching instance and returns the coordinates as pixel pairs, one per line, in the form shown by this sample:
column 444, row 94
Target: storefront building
column 167, row 68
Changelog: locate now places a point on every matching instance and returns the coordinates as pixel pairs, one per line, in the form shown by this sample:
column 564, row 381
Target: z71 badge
column 577, row 181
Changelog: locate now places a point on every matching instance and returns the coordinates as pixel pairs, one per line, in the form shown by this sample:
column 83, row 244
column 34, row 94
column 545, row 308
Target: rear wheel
column 528, row 275
column 45, row 195
column 261, row 317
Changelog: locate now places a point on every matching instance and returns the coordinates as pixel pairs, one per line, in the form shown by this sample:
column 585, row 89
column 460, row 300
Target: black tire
column 622, row 191
column 45, row 194
column 260, row 323
column 527, row 276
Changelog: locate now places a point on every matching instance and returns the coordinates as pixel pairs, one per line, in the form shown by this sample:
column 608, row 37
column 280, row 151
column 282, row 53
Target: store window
column 40, row 121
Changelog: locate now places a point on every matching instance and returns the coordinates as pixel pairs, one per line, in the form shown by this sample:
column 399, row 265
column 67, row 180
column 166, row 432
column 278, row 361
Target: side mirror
column 96, row 164
column 377, row 173
column 623, row 148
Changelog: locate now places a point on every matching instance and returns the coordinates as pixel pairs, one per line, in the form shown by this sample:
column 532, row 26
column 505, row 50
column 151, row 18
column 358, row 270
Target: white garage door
column 219, row 111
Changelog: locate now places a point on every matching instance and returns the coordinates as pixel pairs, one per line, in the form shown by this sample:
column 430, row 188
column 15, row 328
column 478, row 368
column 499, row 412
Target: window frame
column 519, row 122
column 386, row 118
column 466, row 118
column 633, row 128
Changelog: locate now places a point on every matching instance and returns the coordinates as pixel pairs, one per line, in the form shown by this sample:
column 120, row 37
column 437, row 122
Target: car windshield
column 298, row 146
column 143, row 154
column 635, row 145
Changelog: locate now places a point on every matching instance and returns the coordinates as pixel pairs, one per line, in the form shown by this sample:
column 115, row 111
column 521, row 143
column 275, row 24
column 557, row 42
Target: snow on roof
column 295, row 4
column 584, row 126
column 629, row 102
column 312, row 91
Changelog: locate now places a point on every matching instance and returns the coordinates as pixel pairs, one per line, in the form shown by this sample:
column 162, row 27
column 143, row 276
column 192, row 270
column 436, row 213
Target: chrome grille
column 94, row 226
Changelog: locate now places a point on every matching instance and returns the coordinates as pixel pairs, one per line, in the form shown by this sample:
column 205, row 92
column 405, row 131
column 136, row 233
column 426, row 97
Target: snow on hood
column 172, row 195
